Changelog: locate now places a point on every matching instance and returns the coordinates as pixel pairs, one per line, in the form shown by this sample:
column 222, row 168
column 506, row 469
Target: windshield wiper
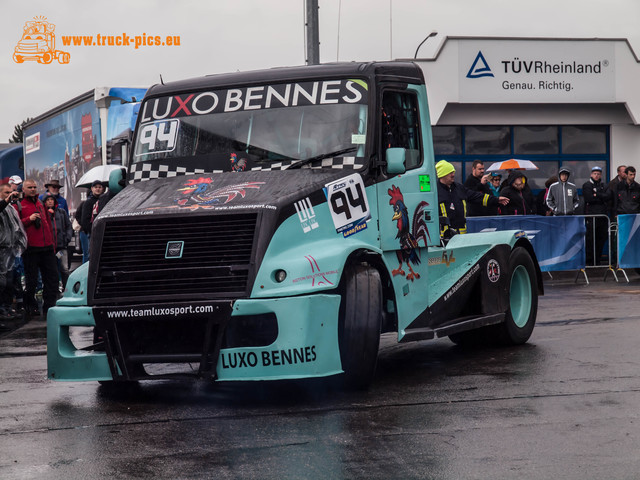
column 322, row 156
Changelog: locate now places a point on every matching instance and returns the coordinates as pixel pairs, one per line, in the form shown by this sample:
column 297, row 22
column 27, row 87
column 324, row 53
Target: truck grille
column 172, row 257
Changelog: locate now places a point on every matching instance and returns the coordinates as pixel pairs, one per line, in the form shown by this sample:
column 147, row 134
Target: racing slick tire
column 523, row 300
column 359, row 326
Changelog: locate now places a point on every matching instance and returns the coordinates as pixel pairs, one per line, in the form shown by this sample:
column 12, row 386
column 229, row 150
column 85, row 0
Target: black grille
column 215, row 260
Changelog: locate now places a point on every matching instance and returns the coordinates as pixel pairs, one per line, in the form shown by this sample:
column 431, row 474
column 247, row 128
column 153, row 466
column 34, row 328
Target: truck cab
column 272, row 225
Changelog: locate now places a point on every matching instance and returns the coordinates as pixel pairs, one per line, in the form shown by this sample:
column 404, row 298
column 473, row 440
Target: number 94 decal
column 348, row 204
column 159, row 136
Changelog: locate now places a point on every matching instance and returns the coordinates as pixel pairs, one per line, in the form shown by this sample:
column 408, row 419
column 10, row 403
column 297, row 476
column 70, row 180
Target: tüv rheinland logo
column 480, row 67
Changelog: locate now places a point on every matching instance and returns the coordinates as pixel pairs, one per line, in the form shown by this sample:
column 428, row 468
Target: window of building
column 447, row 140
column 579, row 147
column 487, row 140
column 535, row 140
column 584, row 139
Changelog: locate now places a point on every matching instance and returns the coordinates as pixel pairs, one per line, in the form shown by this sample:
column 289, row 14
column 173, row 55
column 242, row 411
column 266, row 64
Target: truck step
column 467, row 323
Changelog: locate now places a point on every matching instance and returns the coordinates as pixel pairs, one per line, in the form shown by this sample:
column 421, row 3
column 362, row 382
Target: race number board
column 159, row 136
column 348, row 204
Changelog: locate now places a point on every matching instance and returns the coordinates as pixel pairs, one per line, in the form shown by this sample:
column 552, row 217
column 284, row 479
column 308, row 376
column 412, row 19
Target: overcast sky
column 221, row 36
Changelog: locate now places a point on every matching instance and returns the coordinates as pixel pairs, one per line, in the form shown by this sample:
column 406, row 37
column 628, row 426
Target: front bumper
column 306, row 345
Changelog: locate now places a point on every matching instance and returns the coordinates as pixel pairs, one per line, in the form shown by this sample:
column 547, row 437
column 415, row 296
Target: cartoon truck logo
column 38, row 43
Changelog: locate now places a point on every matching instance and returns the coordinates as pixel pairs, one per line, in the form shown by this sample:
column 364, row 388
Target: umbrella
column 100, row 173
column 512, row 164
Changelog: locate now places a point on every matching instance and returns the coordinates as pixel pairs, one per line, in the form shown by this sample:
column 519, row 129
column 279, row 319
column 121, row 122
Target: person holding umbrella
column 519, row 204
column 514, row 165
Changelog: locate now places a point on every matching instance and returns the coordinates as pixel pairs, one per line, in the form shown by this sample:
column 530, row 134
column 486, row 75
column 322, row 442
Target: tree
column 17, row 132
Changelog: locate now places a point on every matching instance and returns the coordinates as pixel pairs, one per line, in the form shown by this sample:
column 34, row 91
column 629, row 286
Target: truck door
column 407, row 202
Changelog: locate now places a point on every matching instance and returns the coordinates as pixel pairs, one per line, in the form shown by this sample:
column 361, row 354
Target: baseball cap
column 15, row 179
column 596, row 169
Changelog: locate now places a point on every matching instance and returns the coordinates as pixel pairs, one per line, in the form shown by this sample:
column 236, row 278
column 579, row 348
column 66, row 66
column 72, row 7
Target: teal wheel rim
column 520, row 296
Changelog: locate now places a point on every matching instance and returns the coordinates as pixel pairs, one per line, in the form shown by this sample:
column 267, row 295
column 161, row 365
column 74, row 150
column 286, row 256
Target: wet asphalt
column 565, row 405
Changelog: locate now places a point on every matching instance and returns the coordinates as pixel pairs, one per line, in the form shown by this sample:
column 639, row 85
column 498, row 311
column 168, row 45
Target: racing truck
column 272, row 225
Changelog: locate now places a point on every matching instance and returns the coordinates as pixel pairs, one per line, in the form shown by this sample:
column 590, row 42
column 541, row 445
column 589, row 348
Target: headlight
column 280, row 276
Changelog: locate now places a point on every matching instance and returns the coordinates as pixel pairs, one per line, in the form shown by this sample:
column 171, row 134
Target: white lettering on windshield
column 255, row 98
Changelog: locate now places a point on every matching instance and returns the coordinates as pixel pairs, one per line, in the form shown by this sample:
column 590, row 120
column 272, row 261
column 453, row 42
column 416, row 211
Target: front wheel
column 360, row 324
column 523, row 300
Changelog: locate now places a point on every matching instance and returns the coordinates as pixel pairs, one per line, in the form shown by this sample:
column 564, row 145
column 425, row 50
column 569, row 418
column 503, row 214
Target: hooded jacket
column 60, row 224
column 518, row 202
column 563, row 196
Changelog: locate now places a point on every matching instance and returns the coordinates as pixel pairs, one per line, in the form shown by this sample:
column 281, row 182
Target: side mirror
column 117, row 180
column 395, row 158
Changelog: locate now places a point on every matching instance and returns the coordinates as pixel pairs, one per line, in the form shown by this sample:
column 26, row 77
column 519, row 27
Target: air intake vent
column 199, row 256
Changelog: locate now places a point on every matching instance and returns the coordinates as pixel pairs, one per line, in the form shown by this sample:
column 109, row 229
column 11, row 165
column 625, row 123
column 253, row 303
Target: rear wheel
column 523, row 300
column 360, row 323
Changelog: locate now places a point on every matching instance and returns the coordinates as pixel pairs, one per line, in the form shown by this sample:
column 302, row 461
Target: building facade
column 556, row 102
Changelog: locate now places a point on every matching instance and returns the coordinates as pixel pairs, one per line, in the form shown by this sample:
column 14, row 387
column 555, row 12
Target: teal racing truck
column 272, row 225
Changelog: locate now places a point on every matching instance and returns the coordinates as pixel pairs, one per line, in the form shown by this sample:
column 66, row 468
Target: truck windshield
column 267, row 127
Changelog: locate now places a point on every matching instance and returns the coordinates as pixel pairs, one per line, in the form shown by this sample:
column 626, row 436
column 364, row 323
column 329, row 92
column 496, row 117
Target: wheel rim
column 520, row 297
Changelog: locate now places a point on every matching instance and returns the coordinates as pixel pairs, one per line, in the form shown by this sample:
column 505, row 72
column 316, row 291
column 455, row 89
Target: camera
column 17, row 198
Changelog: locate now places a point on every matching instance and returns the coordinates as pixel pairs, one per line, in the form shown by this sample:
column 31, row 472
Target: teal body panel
column 64, row 361
column 306, row 346
column 313, row 261
column 448, row 264
column 307, row 343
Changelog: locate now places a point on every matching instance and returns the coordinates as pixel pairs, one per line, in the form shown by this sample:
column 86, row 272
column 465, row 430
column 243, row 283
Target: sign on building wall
column 534, row 71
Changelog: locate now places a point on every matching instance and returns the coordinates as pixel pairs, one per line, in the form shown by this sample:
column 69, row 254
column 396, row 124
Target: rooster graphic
column 408, row 237
column 198, row 192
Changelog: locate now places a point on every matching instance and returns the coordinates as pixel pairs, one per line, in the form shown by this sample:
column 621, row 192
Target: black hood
column 247, row 191
column 130, row 237
column 513, row 176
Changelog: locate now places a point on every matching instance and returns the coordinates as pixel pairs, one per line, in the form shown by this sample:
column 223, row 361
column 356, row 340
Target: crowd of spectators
column 600, row 200
column 34, row 240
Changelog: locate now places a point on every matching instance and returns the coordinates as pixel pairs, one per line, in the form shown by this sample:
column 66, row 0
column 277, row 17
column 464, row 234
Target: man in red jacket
column 40, row 253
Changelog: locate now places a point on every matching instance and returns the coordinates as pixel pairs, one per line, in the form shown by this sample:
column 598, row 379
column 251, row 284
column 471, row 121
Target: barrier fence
column 575, row 242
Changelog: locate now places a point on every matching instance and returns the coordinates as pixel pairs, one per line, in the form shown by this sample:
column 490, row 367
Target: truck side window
column 401, row 126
